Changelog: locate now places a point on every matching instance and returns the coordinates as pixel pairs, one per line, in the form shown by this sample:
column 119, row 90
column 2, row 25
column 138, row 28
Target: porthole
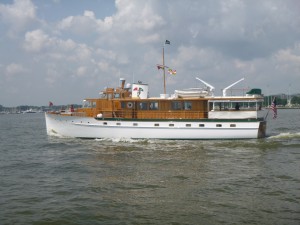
column 218, row 125
column 232, row 125
column 201, row 125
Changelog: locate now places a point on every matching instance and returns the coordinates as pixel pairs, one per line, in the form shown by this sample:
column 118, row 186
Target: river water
column 55, row 181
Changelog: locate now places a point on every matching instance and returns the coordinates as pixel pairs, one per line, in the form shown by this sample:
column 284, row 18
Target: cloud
column 131, row 17
column 287, row 62
column 210, row 37
column 36, row 40
column 137, row 15
column 219, row 41
column 144, row 39
column 81, row 71
column 289, row 55
column 84, row 24
column 18, row 15
column 14, row 69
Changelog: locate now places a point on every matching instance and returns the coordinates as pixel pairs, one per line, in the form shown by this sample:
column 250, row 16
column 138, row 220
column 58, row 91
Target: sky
column 64, row 51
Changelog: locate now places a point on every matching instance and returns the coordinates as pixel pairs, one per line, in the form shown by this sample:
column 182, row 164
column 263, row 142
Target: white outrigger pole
column 211, row 88
column 225, row 89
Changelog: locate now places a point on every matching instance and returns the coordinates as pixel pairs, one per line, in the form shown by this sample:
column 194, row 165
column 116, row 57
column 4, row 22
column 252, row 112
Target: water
column 47, row 180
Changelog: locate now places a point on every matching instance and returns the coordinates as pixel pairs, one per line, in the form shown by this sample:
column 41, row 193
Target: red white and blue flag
column 274, row 108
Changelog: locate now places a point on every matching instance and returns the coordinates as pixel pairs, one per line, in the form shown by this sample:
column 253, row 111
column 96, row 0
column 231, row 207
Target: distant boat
column 29, row 111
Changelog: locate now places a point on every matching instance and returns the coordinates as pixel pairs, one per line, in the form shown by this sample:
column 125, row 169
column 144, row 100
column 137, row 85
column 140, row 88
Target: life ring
column 129, row 105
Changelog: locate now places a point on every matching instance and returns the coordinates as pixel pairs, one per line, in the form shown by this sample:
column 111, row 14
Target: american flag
column 274, row 109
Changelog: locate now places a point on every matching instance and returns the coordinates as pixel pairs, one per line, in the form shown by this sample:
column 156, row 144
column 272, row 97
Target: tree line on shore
column 283, row 100
column 26, row 108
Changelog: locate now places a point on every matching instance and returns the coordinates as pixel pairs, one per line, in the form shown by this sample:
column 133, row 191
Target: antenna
column 212, row 88
column 225, row 89
column 133, row 77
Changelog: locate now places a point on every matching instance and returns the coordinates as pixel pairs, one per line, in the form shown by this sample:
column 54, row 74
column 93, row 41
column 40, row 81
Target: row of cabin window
column 237, row 105
column 172, row 125
column 176, row 105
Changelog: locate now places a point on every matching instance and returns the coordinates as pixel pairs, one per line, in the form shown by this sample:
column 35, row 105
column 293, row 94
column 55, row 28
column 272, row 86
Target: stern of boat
column 262, row 129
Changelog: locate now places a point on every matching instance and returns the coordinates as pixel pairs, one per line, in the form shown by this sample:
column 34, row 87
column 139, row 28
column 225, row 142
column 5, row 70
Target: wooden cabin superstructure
column 119, row 104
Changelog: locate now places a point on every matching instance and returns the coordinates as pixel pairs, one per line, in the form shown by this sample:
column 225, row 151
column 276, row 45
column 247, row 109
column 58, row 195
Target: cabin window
column 235, row 106
column 221, row 106
column 188, row 125
column 232, row 125
column 102, row 95
column 118, row 124
column 153, row 106
column 123, row 105
column 117, row 95
column 171, row 125
column 226, row 106
column 156, row 124
column 89, row 104
column 176, row 105
column 129, row 105
column 187, row 105
column 135, row 124
column 109, row 96
column 218, row 125
column 201, row 125
column 252, row 105
column 104, row 123
column 143, row 105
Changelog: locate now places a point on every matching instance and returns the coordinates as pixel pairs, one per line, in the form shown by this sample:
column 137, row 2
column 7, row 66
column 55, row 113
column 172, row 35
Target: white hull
column 88, row 127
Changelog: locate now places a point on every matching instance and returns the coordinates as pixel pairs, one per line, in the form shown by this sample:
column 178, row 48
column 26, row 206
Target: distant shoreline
column 283, row 107
column 288, row 107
